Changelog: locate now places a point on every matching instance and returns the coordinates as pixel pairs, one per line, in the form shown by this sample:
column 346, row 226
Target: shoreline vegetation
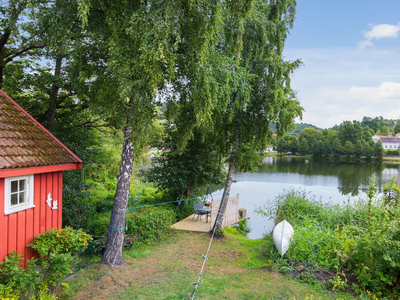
column 393, row 159
column 358, row 243
column 338, row 252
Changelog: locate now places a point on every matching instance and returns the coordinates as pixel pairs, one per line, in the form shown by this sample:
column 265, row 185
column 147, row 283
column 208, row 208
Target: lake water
column 328, row 181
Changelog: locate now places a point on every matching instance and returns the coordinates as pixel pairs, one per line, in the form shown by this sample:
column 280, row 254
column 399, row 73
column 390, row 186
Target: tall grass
column 363, row 237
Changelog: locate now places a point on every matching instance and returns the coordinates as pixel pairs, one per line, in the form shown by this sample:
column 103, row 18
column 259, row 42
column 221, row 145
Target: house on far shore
column 269, row 149
column 388, row 142
column 32, row 162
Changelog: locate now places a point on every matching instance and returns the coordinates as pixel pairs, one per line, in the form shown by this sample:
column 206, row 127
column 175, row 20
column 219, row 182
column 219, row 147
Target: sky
column 350, row 51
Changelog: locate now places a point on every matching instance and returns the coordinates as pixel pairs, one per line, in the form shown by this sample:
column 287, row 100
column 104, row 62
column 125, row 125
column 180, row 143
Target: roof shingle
column 24, row 143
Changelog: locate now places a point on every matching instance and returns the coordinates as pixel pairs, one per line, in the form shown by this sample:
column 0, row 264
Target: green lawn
column 237, row 269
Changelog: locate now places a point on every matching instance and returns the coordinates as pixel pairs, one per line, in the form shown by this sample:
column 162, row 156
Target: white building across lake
column 388, row 142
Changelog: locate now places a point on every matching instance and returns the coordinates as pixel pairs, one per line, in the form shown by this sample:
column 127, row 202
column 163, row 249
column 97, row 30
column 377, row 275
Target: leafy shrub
column 337, row 283
column 363, row 237
column 317, row 244
column 66, row 240
column 15, row 278
column 55, row 248
column 149, row 224
column 98, row 224
column 243, row 226
column 392, row 152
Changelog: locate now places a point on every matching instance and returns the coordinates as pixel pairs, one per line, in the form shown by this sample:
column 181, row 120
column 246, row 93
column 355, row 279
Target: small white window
column 18, row 194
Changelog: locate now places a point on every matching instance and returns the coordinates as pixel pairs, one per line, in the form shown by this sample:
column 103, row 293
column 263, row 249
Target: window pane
column 14, row 199
column 22, row 185
column 22, row 197
column 14, row 186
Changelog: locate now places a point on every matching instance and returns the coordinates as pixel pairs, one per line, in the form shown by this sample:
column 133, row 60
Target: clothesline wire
column 169, row 202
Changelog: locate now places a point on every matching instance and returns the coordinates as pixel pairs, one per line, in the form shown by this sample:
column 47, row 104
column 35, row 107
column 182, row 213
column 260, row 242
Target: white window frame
column 8, row 208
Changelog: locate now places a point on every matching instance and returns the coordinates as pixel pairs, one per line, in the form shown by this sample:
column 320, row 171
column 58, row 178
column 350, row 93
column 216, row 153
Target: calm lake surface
column 330, row 182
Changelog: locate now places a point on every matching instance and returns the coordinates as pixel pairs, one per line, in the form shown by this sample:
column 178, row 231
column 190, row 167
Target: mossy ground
column 236, row 269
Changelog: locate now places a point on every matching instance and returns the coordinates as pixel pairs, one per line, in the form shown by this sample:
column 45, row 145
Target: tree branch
column 4, row 39
column 21, row 52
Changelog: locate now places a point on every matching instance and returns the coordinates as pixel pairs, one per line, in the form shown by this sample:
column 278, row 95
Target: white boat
column 282, row 234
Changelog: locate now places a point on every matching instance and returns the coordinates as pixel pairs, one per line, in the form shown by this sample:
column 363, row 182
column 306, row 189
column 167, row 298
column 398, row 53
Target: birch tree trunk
column 229, row 178
column 115, row 239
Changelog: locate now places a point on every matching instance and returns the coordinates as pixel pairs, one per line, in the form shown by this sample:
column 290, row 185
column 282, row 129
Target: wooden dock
column 200, row 225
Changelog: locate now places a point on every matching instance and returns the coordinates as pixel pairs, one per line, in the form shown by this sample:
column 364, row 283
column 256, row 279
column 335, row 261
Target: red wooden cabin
column 32, row 162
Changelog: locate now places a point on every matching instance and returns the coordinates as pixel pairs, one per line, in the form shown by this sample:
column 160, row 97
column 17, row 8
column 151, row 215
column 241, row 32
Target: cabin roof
column 25, row 143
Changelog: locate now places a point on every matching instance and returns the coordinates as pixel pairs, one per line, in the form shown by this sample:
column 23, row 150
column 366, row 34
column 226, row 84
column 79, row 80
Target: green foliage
column 317, row 244
column 55, row 248
column 337, row 283
column 391, row 192
column 243, row 226
column 304, row 148
column 379, row 125
column 15, row 279
column 309, row 278
column 282, row 146
column 363, row 237
column 392, row 152
column 311, row 134
column 378, row 150
column 98, row 224
column 180, row 173
column 65, row 240
column 348, row 138
column 149, row 224
column 397, row 127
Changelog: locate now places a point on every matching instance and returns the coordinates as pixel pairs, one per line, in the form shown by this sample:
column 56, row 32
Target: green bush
column 316, row 243
column 149, row 224
column 55, row 248
column 64, row 241
column 392, row 152
column 98, row 224
column 363, row 237
column 243, row 226
column 16, row 279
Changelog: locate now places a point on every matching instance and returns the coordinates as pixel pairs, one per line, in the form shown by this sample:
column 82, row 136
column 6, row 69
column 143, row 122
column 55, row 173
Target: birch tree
column 271, row 99
column 264, row 97
column 148, row 43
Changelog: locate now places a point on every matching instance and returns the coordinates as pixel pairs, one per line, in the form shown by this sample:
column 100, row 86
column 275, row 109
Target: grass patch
column 238, row 268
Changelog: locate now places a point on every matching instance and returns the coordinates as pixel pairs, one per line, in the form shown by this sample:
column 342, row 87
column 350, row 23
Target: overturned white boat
column 282, row 234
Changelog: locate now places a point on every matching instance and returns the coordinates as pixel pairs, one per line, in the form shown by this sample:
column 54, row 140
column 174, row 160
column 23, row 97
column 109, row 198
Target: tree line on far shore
column 348, row 138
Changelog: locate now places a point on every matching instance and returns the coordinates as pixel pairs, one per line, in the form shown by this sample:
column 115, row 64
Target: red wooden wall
column 18, row 229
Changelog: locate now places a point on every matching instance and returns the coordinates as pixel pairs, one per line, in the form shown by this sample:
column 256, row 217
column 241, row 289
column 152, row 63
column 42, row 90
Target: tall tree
column 294, row 145
column 149, row 44
column 282, row 145
column 397, row 127
column 378, row 150
column 20, row 33
column 358, row 148
column 263, row 94
column 178, row 173
column 304, row 148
